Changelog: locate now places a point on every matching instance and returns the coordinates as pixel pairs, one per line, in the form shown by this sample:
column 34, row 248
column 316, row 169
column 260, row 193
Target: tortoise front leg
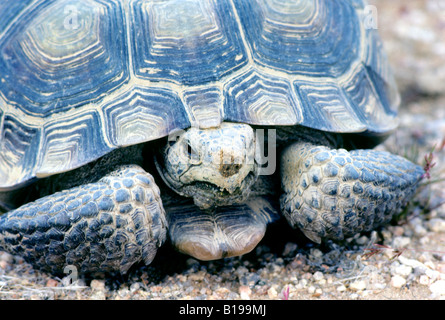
column 333, row 194
column 100, row 227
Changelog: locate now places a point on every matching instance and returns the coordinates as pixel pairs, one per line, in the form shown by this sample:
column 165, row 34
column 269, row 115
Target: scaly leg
column 333, row 194
column 99, row 227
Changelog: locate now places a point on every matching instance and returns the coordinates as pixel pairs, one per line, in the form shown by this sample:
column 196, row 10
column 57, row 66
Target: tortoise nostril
column 228, row 170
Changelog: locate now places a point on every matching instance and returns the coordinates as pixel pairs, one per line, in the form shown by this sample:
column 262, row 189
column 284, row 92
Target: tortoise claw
column 222, row 232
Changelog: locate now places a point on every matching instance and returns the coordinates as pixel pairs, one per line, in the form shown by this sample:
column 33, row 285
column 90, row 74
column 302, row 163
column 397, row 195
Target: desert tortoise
column 93, row 94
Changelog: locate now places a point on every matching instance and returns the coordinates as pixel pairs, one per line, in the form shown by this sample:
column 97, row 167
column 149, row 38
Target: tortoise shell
column 79, row 78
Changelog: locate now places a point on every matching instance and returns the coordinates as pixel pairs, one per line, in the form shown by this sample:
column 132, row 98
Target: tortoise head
column 215, row 166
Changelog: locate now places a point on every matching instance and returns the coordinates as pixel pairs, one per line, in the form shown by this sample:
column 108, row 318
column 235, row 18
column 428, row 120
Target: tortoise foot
column 335, row 193
column 97, row 228
column 223, row 232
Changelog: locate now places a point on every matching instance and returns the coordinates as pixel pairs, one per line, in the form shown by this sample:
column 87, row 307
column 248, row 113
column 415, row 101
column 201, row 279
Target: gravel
column 409, row 264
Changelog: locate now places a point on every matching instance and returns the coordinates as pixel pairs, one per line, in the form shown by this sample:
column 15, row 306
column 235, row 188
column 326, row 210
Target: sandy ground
column 288, row 267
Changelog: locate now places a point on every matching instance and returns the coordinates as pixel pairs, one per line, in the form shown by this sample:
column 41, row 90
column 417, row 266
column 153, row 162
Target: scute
column 143, row 114
column 60, row 149
column 79, row 78
column 301, row 37
column 63, row 55
column 261, row 99
column 191, row 41
column 19, row 145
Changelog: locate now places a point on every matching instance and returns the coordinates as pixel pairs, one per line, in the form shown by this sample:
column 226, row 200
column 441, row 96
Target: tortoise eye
column 192, row 154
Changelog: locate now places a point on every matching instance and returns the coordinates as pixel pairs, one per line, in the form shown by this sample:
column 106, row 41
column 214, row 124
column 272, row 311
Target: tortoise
column 126, row 124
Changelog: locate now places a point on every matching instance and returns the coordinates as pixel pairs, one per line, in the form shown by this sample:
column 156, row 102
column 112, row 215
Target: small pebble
column 400, row 242
column 419, row 230
column 398, row 281
column 316, row 253
column 302, row 284
column 438, row 287
column 432, row 274
column 3, row 264
column 52, row 283
column 424, row 280
column 318, row 276
column 358, row 285
column 353, row 296
column 362, row 240
column 411, row 262
column 199, row 276
column 403, row 270
column 98, row 295
column 6, row 257
column 289, row 249
column 272, row 293
column 318, row 292
column 437, row 225
column 135, row 287
column 341, row 288
column 245, row 292
column 98, row 285
column 398, row 231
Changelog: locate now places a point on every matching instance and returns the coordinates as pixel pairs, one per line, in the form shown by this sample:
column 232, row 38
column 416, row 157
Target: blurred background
column 413, row 33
